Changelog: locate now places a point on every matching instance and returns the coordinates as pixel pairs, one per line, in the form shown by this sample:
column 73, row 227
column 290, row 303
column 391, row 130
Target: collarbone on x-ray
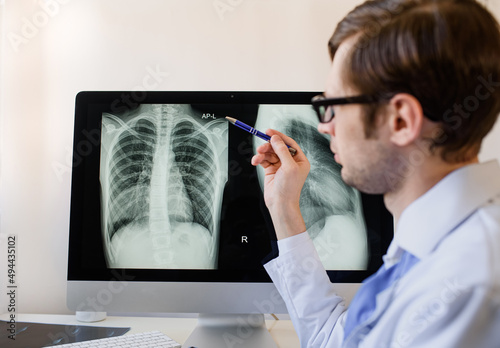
column 332, row 210
column 163, row 170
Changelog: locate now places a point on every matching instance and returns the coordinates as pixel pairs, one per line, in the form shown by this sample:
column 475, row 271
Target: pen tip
column 230, row 119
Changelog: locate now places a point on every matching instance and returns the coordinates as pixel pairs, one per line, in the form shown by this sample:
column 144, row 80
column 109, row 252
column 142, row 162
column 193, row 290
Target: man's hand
column 284, row 177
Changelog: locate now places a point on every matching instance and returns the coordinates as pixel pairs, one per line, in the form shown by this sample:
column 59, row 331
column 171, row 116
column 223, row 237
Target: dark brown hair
column 446, row 53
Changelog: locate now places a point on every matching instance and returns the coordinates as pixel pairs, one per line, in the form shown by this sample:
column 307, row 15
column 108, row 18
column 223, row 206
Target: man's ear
column 405, row 120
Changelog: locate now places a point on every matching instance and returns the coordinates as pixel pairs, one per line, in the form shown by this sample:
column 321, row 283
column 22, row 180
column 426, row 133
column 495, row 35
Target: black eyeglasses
column 323, row 105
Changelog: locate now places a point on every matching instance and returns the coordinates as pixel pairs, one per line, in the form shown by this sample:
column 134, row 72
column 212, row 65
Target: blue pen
column 255, row 132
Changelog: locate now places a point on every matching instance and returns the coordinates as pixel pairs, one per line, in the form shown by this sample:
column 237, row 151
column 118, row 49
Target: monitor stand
column 230, row 330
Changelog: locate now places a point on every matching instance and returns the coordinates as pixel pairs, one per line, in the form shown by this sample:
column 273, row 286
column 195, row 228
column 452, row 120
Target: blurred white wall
column 52, row 49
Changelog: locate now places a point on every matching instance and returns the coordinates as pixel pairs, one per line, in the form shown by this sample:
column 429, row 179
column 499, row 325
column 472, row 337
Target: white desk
column 177, row 328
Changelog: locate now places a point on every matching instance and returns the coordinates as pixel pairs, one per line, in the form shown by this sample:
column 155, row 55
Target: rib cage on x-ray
column 196, row 174
column 131, row 166
column 164, row 169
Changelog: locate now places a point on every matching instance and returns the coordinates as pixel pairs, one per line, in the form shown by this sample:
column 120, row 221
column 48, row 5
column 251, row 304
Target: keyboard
column 153, row 339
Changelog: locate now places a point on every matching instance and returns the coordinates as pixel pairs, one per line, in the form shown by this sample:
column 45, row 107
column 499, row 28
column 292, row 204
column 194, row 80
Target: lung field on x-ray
column 131, row 166
column 316, row 200
column 162, row 174
column 195, row 176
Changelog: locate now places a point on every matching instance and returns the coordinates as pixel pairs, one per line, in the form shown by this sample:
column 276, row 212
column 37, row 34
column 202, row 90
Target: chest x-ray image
column 332, row 210
column 162, row 174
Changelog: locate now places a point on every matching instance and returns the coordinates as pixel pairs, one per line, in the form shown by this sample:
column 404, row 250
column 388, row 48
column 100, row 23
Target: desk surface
column 177, row 328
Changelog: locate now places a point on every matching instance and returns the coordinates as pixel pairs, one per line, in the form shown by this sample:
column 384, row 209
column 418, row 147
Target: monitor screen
column 163, row 190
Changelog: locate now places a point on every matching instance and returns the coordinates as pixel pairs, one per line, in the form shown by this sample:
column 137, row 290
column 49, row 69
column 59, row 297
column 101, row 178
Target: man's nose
column 327, row 128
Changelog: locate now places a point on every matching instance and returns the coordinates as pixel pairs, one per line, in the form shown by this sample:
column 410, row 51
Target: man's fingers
column 281, row 149
column 264, row 148
column 265, row 159
column 289, row 141
column 278, row 150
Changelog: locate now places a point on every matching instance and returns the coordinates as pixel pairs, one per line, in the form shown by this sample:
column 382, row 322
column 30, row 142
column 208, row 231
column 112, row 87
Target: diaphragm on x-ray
column 331, row 209
column 163, row 169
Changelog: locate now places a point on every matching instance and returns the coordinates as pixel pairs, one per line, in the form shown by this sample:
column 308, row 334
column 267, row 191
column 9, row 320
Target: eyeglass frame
column 320, row 100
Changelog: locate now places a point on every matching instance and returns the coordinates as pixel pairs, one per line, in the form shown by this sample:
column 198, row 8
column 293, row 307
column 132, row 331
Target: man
column 422, row 81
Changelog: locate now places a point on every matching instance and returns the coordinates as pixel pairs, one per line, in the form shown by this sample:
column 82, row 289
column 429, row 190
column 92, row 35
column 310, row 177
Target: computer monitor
column 167, row 212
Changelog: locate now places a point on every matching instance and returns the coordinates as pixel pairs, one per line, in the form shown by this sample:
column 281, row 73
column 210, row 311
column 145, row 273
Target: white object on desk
column 90, row 317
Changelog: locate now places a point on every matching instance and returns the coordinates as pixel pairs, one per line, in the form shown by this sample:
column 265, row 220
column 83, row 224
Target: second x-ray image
column 331, row 209
column 162, row 172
